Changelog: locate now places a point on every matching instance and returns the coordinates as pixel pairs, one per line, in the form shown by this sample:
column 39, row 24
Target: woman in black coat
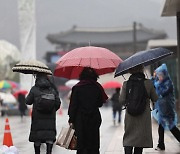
column 43, row 126
column 86, row 98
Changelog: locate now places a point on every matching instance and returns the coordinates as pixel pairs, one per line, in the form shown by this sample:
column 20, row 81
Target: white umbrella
column 9, row 52
column 8, row 98
column 71, row 83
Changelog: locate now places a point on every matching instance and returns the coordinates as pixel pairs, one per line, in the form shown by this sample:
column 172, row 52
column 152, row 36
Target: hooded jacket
column 164, row 111
column 43, row 126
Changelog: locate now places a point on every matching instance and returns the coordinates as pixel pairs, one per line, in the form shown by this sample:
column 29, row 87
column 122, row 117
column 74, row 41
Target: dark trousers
column 48, row 149
column 129, row 150
column 175, row 131
column 22, row 113
column 119, row 115
column 88, row 151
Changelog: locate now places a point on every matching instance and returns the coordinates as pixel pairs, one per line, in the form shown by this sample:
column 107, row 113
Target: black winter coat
column 84, row 114
column 43, row 126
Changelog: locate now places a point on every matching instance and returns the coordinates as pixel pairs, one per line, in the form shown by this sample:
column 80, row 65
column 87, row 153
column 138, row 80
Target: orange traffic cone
column 7, row 135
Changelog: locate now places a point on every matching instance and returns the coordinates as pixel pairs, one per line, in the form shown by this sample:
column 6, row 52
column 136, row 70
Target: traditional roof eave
column 171, row 7
column 113, row 35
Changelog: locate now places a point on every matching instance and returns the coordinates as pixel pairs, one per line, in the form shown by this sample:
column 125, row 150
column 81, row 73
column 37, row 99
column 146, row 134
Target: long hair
column 88, row 73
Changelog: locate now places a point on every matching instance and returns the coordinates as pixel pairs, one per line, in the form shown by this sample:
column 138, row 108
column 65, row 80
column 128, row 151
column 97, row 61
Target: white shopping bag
column 65, row 137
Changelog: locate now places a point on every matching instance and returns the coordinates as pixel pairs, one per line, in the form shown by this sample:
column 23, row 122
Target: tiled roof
column 119, row 35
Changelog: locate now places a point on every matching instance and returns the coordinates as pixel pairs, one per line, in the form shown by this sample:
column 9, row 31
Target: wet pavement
column 110, row 136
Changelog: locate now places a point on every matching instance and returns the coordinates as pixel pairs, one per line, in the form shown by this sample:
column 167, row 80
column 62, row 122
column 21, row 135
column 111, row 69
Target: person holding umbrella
column 86, row 98
column 45, row 100
column 164, row 111
column 138, row 129
column 43, row 126
column 86, row 63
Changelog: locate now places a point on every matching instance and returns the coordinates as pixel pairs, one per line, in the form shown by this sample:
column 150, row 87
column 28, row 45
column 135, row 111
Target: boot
column 128, row 150
column 37, row 149
column 49, row 148
column 161, row 145
column 175, row 131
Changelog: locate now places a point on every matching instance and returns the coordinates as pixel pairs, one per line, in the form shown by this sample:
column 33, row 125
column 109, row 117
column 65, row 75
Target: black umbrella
column 145, row 58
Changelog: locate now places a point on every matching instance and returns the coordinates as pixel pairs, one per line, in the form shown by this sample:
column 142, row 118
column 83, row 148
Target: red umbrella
column 112, row 84
column 23, row 92
column 72, row 63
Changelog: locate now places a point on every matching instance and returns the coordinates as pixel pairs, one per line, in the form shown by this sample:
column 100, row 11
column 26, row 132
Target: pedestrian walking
column 116, row 106
column 138, row 127
column 1, row 106
column 22, row 105
column 164, row 111
column 86, row 98
column 45, row 100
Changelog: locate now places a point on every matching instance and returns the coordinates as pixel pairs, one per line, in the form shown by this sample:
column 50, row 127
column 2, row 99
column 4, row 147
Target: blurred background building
column 124, row 41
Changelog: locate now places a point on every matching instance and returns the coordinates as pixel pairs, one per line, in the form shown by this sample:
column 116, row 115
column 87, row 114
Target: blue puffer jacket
column 164, row 111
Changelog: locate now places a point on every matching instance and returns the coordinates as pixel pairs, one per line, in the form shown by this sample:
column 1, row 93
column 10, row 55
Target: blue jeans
column 119, row 115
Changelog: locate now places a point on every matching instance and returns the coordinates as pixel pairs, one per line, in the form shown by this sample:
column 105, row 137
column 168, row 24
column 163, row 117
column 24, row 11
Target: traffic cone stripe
column 7, row 131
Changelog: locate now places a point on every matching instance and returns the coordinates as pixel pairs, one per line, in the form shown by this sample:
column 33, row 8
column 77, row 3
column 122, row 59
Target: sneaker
column 160, row 149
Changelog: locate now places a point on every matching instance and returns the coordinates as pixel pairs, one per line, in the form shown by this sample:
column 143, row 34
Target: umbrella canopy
column 6, row 84
column 111, row 85
column 9, row 55
column 72, row 63
column 8, row 98
column 23, row 92
column 31, row 67
column 9, row 52
column 71, row 83
column 14, row 84
column 145, row 58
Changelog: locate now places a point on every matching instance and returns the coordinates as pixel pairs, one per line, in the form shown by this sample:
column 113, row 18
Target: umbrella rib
column 97, row 62
column 63, row 62
column 113, row 62
column 77, row 66
column 80, row 62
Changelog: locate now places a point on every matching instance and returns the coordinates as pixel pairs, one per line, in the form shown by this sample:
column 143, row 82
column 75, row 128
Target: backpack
column 46, row 101
column 136, row 96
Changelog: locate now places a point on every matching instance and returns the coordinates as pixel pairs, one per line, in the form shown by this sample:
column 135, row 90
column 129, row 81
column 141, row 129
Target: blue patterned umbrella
column 145, row 58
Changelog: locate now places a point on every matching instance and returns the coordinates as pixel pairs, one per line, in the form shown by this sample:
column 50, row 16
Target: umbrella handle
column 146, row 74
column 123, row 77
column 32, row 80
